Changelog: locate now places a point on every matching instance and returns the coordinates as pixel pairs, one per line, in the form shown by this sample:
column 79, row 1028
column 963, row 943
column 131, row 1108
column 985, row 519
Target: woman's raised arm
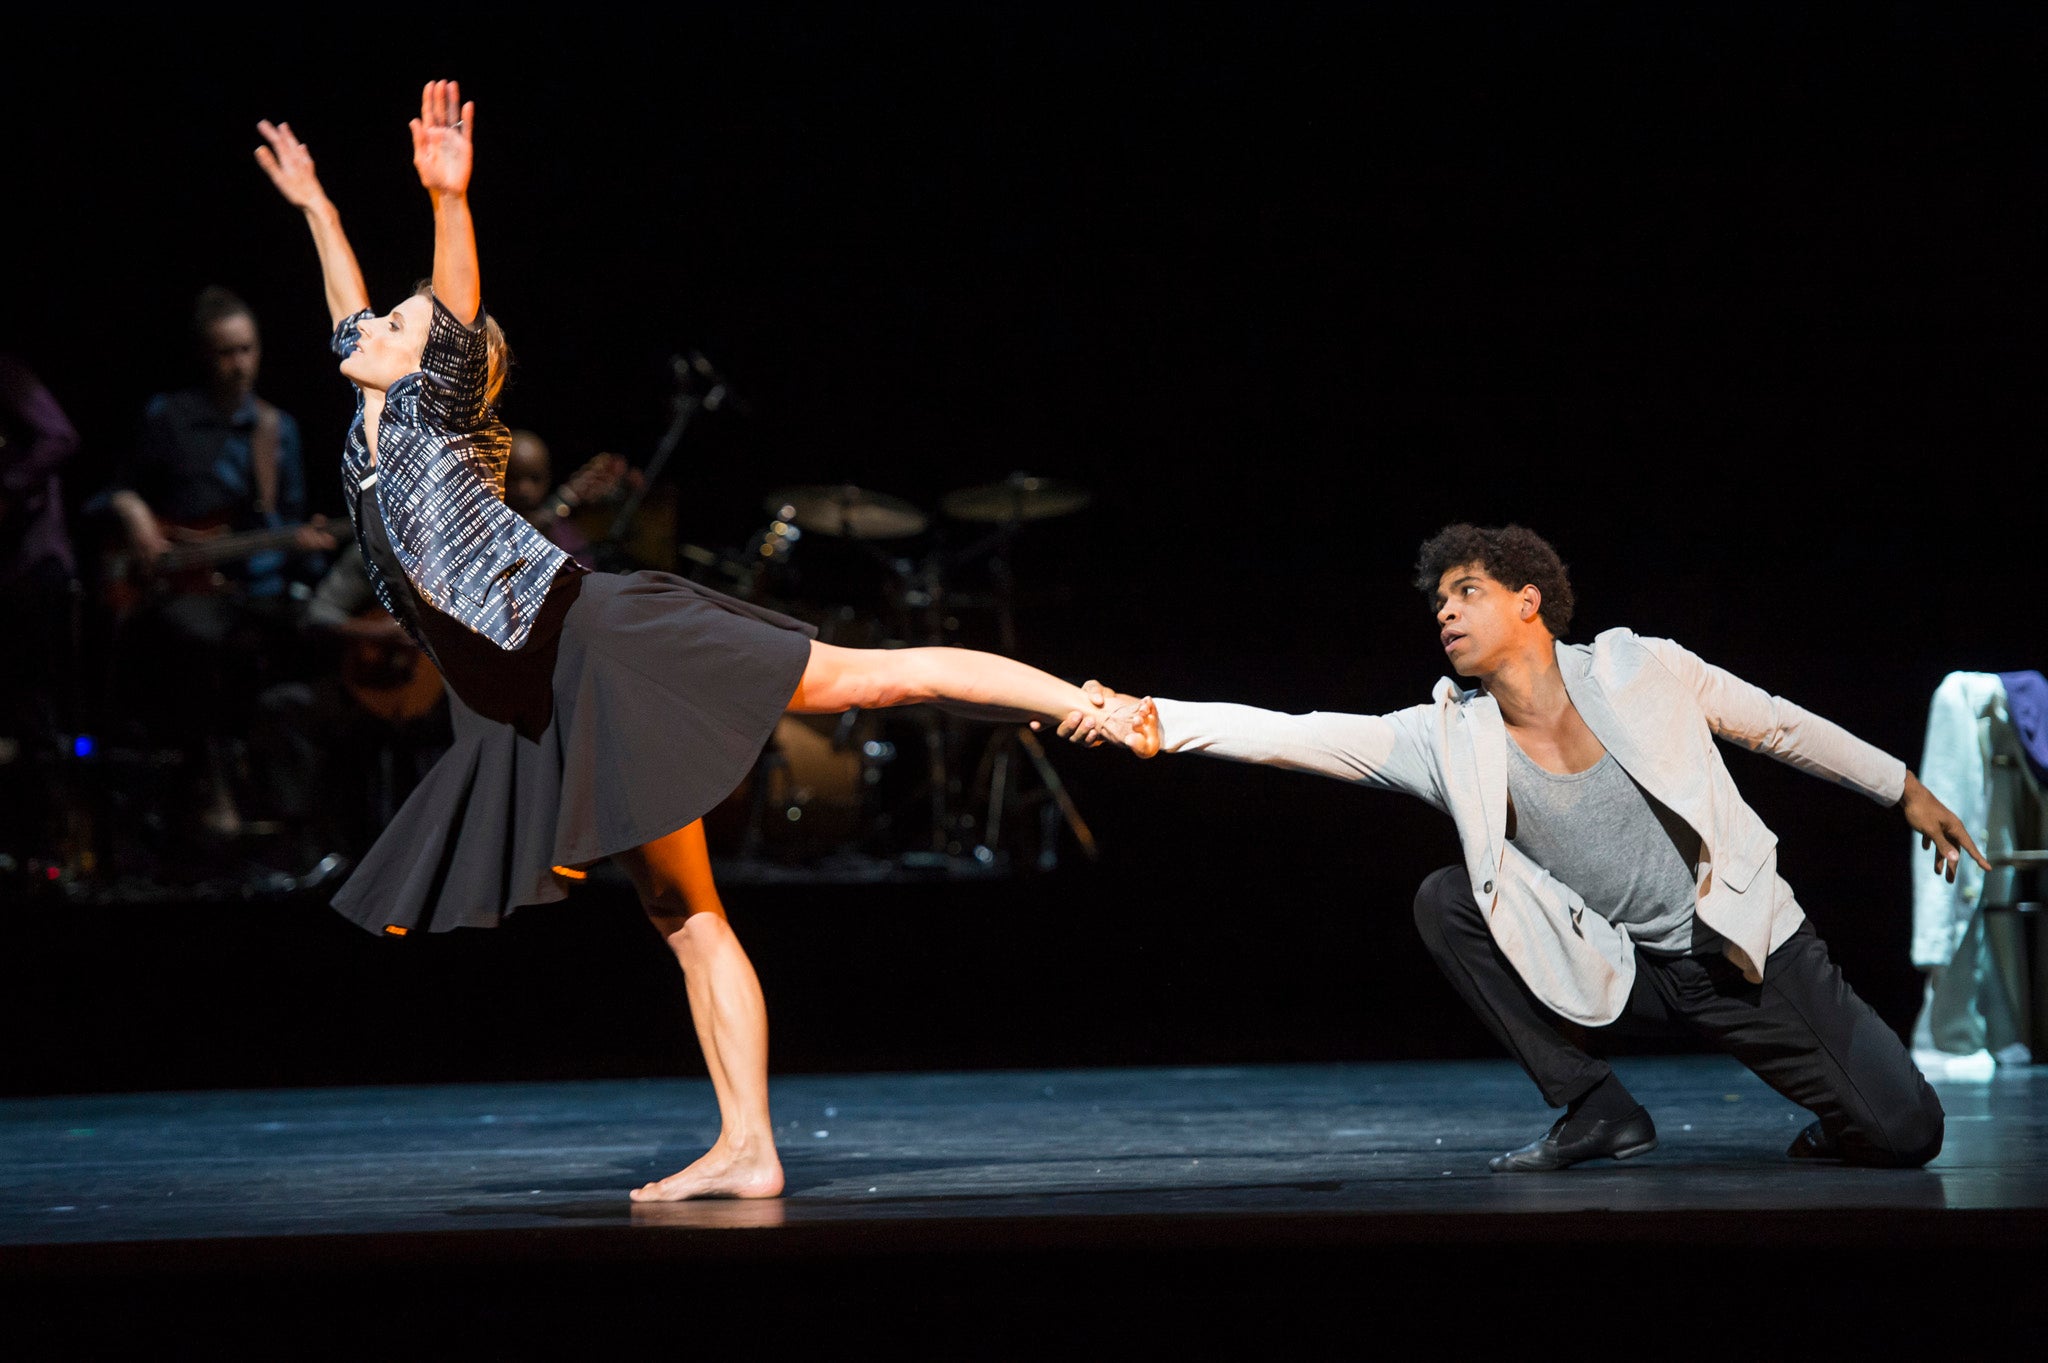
column 441, row 155
column 290, row 167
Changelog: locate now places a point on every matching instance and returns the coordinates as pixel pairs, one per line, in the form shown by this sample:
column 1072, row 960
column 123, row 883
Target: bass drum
column 807, row 797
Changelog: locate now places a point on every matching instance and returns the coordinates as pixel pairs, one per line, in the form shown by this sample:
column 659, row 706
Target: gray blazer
column 440, row 487
column 1658, row 709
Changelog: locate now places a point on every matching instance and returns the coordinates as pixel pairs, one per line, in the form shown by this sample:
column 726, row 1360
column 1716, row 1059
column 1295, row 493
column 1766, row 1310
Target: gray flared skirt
column 664, row 694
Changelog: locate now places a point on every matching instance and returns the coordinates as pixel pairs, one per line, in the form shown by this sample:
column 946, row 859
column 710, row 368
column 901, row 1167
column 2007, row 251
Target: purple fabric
column 2026, row 701
column 38, row 439
column 572, row 542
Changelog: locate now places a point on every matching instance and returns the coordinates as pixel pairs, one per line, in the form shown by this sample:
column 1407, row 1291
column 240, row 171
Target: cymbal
column 843, row 509
column 1019, row 497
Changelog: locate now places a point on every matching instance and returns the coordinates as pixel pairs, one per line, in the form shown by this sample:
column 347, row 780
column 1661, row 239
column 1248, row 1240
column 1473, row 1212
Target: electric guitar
column 589, row 488
column 194, row 562
column 391, row 679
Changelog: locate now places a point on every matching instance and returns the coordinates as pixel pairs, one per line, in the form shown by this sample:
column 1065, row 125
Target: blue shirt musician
column 215, row 485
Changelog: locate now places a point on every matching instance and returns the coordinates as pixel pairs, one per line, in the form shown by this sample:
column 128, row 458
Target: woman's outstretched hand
column 289, row 165
column 440, row 138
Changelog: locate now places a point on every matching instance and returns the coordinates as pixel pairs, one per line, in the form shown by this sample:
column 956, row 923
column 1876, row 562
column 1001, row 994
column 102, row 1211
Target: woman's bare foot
column 723, row 1171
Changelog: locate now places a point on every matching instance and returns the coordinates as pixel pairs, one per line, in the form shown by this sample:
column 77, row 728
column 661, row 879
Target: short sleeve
column 348, row 333
column 456, row 365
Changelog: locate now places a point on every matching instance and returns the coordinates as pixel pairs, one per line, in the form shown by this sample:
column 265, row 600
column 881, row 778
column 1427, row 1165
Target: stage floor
column 1210, row 1189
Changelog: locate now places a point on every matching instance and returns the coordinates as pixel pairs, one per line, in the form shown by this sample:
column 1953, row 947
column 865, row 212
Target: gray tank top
column 1629, row 857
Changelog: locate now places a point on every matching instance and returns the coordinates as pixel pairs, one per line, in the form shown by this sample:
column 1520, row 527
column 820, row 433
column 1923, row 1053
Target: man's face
column 527, row 474
column 1480, row 622
column 231, row 353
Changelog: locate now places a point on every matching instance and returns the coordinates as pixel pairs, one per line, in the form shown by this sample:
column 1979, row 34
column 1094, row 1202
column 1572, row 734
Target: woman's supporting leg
column 839, row 679
column 673, row 876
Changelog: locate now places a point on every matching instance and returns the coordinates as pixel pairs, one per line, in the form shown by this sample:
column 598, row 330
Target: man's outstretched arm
column 1388, row 752
column 1747, row 714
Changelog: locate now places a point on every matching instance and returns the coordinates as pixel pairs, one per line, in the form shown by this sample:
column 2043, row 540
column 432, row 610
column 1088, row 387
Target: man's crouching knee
column 1915, row 1136
column 1442, row 893
column 1905, row 1139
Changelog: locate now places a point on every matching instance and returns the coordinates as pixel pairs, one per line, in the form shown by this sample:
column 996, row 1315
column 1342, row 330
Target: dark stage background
column 1738, row 304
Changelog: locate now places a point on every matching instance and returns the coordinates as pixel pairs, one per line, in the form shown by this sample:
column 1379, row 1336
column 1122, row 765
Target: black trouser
column 1803, row 1030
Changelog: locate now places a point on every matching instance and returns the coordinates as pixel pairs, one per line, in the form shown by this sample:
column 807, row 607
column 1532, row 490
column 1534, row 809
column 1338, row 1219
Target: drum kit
column 917, row 790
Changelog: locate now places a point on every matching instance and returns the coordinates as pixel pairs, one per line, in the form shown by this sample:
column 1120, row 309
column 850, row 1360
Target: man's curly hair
column 1511, row 555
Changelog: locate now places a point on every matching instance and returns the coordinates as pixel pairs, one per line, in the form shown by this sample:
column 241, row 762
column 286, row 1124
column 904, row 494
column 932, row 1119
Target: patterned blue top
column 439, row 481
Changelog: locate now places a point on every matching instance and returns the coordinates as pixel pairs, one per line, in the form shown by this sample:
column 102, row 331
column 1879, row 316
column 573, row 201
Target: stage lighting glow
column 82, row 746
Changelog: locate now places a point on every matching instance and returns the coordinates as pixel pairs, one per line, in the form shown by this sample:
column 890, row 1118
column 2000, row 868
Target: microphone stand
column 685, row 405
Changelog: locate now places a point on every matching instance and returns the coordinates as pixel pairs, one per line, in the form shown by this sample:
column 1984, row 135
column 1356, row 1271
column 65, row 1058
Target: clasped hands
column 1128, row 721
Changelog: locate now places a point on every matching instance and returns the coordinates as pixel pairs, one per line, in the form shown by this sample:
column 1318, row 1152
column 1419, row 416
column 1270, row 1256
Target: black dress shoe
column 1813, row 1143
column 1621, row 1138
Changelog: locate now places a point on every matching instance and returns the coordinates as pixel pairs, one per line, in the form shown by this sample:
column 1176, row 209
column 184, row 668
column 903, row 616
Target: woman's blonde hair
column 497, row 350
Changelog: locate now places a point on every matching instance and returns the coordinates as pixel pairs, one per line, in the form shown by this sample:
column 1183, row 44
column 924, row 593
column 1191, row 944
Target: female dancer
column 596, row 715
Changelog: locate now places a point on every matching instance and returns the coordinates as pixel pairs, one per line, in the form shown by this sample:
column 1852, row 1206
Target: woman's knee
column 837, row 679
column 698, row 937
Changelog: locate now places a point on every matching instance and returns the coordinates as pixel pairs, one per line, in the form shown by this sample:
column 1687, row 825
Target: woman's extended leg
column 840, row 679
column 673, row 876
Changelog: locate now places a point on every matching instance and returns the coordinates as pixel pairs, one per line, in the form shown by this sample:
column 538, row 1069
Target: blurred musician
column 530, row 490
column 37, row 572
column 216, row 474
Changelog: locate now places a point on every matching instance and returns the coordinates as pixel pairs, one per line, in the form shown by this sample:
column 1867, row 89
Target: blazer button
column 1487, row 888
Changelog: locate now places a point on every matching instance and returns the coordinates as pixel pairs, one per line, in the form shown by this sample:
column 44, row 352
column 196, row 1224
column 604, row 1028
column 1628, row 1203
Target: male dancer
column 1585, row 777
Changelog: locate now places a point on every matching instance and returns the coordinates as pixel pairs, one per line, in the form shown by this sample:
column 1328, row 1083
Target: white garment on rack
column 1954, row 766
